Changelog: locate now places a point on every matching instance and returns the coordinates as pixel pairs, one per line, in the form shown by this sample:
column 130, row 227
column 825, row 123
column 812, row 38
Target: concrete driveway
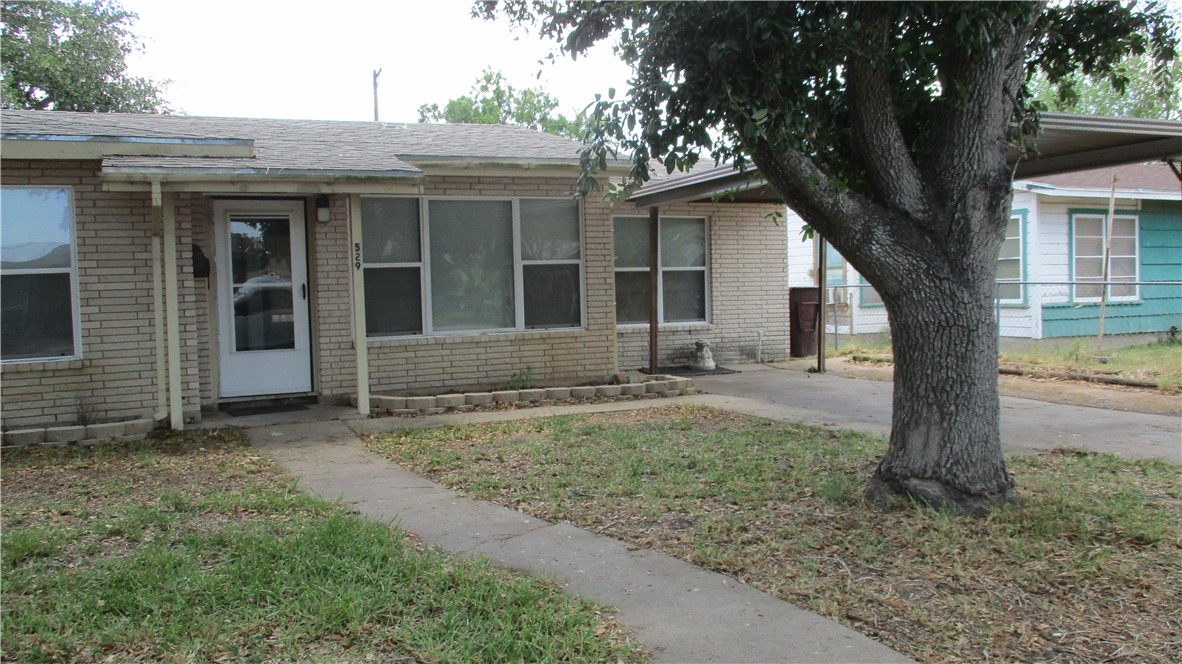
column 1026, row 424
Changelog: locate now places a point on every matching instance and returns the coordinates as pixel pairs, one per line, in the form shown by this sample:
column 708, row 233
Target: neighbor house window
column 681, row 278
column 1009, row 262
column 1087, row 240
column 487, row 265
column 37, row 274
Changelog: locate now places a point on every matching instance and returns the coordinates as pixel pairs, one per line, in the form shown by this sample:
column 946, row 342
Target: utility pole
column 377, row 72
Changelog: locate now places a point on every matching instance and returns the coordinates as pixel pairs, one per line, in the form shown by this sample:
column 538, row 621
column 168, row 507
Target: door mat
column 245, row 409
column 685, row 371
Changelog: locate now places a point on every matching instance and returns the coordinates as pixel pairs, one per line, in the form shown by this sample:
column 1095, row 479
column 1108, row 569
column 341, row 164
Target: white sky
column 314, row 59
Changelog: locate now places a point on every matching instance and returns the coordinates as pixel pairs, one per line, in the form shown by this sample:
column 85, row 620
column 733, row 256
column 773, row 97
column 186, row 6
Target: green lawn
column 1088, row 567
column 198, row 549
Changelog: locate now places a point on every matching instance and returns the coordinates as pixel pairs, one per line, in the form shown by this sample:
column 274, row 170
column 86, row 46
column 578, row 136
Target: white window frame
column 1106, row 241
column 423, row 285
column 661, row 270
column 1021, row 258
column 72, row 270
column 424, row 266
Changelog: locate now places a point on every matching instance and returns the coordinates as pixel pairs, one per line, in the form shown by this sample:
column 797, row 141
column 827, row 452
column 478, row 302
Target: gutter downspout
column 173, row 314
column 653, row 330
column 360, row 345
column 158, row 305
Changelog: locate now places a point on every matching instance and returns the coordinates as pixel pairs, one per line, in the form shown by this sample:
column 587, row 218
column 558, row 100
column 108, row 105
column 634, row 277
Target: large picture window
column 39, row 317
column 682, row 273
column 471, row 265
column 1087, row 241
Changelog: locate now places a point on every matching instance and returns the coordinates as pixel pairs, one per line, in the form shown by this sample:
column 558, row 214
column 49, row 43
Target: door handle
column 304, row 291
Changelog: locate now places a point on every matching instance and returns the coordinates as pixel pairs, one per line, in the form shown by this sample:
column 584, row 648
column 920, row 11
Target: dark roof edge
column 99, row 138
column 261, row 173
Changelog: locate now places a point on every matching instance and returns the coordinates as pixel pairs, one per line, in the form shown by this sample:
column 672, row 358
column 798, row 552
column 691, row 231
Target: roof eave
column 190, row 174
column 54, row 146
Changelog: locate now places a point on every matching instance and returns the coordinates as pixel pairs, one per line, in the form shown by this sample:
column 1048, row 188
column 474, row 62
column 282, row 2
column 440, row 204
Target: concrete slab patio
column 680, row 611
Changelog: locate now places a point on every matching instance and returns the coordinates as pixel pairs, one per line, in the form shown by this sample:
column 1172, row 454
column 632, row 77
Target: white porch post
column 359, row 342
column 173, row 315
column 158, row 305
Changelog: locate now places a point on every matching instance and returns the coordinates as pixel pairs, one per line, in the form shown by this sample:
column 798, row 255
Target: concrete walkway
column 681, row 612
column 865, row 405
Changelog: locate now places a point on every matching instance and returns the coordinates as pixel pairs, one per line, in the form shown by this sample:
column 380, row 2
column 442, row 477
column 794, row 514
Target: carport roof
column 1068, row 142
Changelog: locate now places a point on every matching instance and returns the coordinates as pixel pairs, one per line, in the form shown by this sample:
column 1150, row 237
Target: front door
column 263, row 338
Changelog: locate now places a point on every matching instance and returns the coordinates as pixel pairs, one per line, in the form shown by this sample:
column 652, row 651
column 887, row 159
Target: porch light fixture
column 323, row 213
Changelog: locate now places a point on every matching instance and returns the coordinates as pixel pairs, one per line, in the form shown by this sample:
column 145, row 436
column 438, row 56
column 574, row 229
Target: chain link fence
column 1031, row 312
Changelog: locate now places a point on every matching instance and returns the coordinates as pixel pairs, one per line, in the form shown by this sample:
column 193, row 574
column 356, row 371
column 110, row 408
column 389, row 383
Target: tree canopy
column 494, row 101
column 886, row 126
column 1149, row 92
column 71, row 55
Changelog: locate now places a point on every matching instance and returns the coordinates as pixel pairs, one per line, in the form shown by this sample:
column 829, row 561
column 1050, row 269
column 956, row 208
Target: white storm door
column 263, row 338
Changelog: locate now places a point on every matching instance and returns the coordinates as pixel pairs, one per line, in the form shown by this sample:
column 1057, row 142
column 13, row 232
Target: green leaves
column 72, row 55
column 495, row 101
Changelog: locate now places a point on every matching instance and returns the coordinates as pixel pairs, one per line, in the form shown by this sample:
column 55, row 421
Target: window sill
column 28, row 366
column 663, row 327
column 468, row 337
column 1090, row 303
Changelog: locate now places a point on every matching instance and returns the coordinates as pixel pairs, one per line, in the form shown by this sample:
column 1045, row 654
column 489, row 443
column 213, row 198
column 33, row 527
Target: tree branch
column 875, row 123
column 886, row 246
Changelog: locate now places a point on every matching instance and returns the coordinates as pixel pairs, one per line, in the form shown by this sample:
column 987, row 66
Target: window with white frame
column 38, row 282
column 471, row 265
column 682, row 273
column 1009, row 263
column 1088, row 233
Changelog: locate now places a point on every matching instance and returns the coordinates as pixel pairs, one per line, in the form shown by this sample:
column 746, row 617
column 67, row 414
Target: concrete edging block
column 19, row 437
column 138, row 427
column 387, row 403
column 531, row 395
column 478, row 398
column 582, row 392
column 505, row 396
column 449, row 400
column 420, row 403
column 106, row 431
column 608, row 390
column 558, row 393
column 656, row 386
column 69, row 434
column 632, row 389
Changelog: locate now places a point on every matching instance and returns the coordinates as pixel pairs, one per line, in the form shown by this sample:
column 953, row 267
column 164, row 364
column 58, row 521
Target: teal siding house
column 1051, row 265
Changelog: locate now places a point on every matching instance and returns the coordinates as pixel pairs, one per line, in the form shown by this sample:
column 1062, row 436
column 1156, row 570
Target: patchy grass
column 1159, row 362
column 198, row 549
column 1087, row 568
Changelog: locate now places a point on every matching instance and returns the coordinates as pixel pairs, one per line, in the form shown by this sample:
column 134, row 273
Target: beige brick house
column 156, row 266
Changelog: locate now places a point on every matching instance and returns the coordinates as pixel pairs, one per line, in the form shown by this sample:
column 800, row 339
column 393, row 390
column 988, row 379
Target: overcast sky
column 314, row 59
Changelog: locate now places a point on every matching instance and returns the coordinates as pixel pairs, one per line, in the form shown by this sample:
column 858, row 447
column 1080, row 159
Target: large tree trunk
column 945, row 434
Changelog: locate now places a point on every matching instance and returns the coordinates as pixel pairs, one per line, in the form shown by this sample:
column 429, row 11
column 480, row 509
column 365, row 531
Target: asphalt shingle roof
column 1131, row 177
column 372, row 148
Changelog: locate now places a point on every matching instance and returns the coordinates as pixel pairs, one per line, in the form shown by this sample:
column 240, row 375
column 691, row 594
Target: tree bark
column 945, row 432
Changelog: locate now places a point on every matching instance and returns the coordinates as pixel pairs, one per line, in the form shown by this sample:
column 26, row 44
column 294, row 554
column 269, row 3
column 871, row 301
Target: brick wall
column 116, row 375
column 332, row 311
column 748, row 289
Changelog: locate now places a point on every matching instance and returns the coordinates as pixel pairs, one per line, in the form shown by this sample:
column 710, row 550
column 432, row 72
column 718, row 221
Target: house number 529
column 356, row 255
